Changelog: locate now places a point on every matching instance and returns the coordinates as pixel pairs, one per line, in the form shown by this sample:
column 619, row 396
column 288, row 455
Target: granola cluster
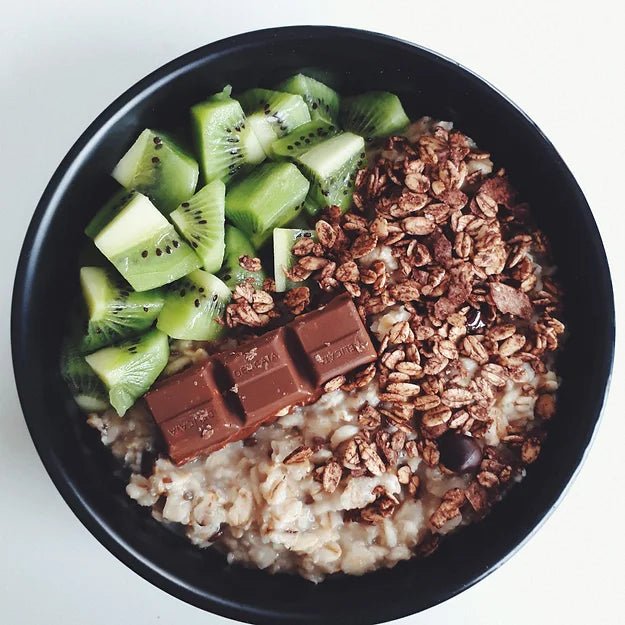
column 450, row 255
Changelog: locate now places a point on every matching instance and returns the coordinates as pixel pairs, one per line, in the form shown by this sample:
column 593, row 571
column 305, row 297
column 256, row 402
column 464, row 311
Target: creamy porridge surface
column 355, row 481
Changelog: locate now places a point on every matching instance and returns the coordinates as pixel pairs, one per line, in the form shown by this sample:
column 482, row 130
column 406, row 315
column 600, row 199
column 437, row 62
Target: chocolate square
column 201, row 429
column 263, row 377
column 333, row 340
column 180, row 393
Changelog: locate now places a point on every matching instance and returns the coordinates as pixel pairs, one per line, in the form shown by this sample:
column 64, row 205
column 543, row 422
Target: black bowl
column 83, row 470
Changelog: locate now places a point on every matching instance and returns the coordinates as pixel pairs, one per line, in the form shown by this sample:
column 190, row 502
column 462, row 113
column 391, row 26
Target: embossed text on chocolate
column 259, row 363
column 333, row 355
column 199, row 420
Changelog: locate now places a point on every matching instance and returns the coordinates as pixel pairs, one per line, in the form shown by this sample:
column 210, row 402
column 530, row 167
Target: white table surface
column 62, row 62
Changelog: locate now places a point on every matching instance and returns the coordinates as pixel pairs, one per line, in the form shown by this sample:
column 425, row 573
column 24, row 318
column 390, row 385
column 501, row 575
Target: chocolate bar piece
column 180, row 393
column 192, row 414
column 229, row 397
column 333, row 340
column 263, row 377
column 201, row 429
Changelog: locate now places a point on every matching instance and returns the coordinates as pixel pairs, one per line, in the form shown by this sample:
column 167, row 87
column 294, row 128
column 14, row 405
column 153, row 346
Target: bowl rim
column 36, row 232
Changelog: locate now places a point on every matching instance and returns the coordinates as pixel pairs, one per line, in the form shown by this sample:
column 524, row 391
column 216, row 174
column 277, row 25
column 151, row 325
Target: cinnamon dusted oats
column 250, row 264
column 297, row 299
column 300, row 454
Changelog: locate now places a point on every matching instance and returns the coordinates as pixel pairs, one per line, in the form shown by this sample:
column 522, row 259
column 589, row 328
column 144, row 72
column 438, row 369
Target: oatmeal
column 455, row 285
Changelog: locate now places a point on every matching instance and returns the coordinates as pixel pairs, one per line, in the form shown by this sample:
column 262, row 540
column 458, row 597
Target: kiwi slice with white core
column 131, row 367
column 200, row 221
column 269, row 197
column 322, row 101
column 273, row 114
column 331, row 167
column 144, row 247
column 114, row 310
column 84, row 385
column 373, row 114
column 111, row 208
column 238, row 245
column 302, row 139
column 158, row 167
column 283, row 259
column 263, row 130
column 192, row 307
column 225, row 141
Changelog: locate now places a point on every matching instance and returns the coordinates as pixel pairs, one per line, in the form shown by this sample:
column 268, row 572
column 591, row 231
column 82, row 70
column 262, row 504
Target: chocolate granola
column 467, row 277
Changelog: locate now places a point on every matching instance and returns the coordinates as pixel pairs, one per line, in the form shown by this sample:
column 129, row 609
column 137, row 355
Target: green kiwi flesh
column 373, row 114
column 331, row 167
column 263, row 130
column 322, row 101
column 302, row 139
column 273, row 114
column 158, row 167
column 84, row 385
column 271, row 196
column 237, row 245
column 192, row 307
column 224, row 140
column 128, row 369
column 200, row 220
column 144, row 247
column 115, row 311
column 111, row 208
column 283, row 259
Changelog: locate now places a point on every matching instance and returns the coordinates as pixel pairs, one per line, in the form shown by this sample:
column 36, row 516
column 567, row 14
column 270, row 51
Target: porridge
column 454, row 285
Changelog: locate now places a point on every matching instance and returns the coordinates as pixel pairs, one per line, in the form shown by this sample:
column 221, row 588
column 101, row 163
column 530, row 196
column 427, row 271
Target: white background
column 62, row 62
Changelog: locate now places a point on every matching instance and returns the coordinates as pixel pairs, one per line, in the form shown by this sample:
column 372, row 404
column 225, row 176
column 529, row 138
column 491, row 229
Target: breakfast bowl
column 93, row 483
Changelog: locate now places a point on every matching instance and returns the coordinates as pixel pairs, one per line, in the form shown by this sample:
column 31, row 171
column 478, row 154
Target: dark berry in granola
column 459, row 453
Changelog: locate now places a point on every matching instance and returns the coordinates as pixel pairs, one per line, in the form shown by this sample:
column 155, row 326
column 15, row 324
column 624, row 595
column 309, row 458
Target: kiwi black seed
column 114, row 311
column 302, row 139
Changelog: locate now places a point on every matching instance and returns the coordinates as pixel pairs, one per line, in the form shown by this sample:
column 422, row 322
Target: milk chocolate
column 180, row 392
column 192, row 414
column 237, row 391
column 264, row 378
column 199, row 430
column 333, row 340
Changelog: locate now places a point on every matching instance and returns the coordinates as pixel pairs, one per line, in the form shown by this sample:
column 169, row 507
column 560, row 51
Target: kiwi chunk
column 200, row 221
column 144, row 247
column 273, row 114
column 158, row 167
column 322, row 101
column 115, row 311
column 237, row 245
column 224, row 140
column 331, row 167
column 283, row 259
column 373, row 114
column 131, row 367
column 269, row 197
column 84, row 385
column 108, row 211
column 302, row 139
column 192, row 307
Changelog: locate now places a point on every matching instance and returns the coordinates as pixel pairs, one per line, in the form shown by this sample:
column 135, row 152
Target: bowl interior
column 84, row 470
